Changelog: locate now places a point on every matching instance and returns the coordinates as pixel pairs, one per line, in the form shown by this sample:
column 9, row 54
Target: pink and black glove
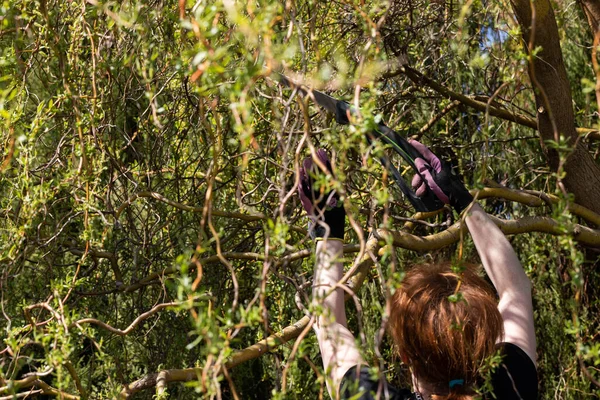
column 324, row 209
column 440, row 179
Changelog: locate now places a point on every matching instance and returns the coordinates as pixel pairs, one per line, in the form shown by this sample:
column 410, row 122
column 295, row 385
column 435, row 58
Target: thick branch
column 535, row 200
column 554, row 102
column 583, row 234
column 421, row 79
column 405, row 240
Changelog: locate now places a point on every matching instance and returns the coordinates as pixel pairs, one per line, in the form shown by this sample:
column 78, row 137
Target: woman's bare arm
column 328, row 218
column 338, row 347
column 512, row 284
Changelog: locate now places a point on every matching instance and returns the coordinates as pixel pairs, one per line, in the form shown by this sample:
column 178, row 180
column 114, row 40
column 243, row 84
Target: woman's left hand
column 326, row 210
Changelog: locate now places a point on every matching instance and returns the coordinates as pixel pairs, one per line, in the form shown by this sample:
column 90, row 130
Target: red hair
column 445, row 324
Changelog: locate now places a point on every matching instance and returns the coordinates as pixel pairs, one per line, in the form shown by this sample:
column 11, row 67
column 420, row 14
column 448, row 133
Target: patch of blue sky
column 491, row 36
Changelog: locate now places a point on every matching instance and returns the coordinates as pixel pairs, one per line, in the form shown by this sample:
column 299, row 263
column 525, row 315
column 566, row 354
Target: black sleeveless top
column 515, row 378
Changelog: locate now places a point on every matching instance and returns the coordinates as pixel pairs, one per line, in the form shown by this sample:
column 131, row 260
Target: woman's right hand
column 438, row 175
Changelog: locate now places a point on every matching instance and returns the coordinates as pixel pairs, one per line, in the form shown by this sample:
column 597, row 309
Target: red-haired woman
column 443, row 341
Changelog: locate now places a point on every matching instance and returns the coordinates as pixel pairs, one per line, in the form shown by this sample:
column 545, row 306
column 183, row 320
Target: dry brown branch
column 135, row 322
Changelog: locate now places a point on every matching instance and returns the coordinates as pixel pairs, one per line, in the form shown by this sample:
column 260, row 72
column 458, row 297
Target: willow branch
column 135, row 322
column 49, row 390
column 156, row 276
column 76, row 379
column 46, row 306
column 420, row 79
column 582, row 234
column 192, row 266
column 185, row 207
column 29, row 394
column 436, row 118
column 587, row 373
column 112, row 258
column 34, row 381
column 536, row 199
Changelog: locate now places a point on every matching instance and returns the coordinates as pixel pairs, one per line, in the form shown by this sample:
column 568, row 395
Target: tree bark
column 591, row 8
column 554, row 101
column 592, row 12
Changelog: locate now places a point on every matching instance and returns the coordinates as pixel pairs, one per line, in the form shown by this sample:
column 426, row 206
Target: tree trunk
column 592, row 12
column 554, row 102
column 591, row 8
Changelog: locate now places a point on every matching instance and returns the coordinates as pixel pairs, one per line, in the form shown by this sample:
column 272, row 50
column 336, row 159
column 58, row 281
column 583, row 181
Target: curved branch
column 34, row 381
column 152, row 278
column 111, row 257
column 536, row 199
column 76, row 379
column 192, row 266
column 586, row 372
column 135, row 322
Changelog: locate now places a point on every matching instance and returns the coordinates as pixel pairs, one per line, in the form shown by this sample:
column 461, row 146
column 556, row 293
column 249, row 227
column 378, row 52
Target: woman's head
column 445, row 337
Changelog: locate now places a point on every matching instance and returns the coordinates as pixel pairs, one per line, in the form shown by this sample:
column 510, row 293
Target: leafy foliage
column 149, row 157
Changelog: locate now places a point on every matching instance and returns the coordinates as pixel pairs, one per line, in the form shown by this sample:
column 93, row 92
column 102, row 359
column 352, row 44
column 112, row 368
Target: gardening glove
column 325, row 210
column 440, row 178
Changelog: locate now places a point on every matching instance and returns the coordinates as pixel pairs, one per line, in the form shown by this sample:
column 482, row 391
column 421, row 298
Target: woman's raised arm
column 327, row 220
column 338, row 347
column 497, row 255
column 506, row 273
